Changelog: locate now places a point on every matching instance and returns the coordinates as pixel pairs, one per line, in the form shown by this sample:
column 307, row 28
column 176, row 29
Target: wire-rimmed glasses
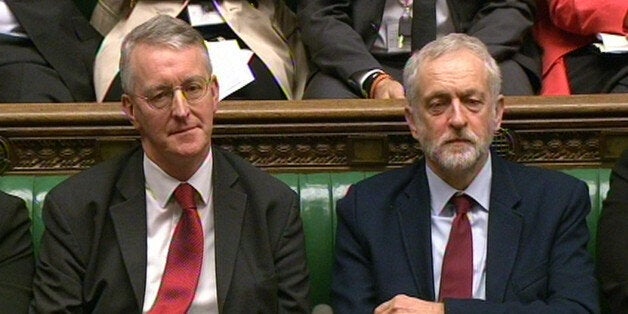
column 193, row 90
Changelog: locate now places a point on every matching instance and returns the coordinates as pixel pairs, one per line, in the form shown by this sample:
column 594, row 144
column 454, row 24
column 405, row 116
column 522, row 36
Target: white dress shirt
column 9, row 25
column 392, row 12
column 163, row 213
column 442, row 216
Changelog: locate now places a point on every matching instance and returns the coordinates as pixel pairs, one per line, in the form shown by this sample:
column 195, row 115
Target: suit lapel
column 251, row 25
column 229, row 208
column 129, row 220
column 106, row 14
column 413, row 209
column 505, row 224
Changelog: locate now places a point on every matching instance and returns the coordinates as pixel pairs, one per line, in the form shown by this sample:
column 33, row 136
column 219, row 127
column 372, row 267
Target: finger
column 382, row 308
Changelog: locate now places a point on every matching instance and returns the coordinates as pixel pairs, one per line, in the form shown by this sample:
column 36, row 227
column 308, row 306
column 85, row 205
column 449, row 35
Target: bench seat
column 318, row 193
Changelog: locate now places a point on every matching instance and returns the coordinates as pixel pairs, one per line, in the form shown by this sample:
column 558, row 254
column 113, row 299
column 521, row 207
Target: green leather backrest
column 597, row 180
column 318, row 193
column 33, row 190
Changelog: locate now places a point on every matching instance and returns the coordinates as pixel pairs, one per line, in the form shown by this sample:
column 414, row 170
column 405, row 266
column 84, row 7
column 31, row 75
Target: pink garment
column 565, row 25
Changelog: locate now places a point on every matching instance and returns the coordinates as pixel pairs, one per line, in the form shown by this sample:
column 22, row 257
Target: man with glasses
column 176, row 225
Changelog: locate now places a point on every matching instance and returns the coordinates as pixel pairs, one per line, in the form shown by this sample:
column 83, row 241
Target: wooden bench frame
column 318, row 148
column 316, row 135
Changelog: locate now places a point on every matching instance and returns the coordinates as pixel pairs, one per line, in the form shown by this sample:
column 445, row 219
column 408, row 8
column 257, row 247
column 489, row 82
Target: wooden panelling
column 316, row 135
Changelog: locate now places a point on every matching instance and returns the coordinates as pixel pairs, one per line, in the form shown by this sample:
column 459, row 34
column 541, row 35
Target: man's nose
column 180, row 106
column 458, row 114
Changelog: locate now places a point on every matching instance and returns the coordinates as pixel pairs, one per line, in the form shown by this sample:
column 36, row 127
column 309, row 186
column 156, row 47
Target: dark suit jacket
column 612, row 239
column 339, row 33
column 93, row 252
column 65, row 39
column 16, row 255
column 537, row 260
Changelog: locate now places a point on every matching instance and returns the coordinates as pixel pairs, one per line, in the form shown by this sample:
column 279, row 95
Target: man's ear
column 499, row 112
column 129, row 110
column 411, row 117
column 215, row 90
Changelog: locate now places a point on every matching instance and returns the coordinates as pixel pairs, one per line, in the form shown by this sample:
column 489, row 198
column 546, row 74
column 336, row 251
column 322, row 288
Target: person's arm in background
column 337, row 48
column 612, row 239
column 16, row 255
column 590, row 17
column 503, row 25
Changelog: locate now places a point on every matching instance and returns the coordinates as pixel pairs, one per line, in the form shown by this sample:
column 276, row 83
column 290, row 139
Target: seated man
column 567, row 31
column 359, row 47
column 266, row 28
column 16, row 255
column 462, row 230
column 48, row 50
column 175, row 225
column 612, row 239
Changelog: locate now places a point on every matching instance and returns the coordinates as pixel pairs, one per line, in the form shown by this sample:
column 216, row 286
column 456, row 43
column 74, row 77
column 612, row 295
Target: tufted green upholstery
column 318, row 193
column 33, row 190
column 597, row 180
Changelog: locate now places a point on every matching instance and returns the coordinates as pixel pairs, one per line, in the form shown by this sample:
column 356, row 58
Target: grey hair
column 164, row 31
column 442, row 46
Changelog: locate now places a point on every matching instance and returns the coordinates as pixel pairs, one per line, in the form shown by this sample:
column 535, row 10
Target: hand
column 405, row 304
column 388, row 89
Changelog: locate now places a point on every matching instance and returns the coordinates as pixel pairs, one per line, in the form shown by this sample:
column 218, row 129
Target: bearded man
column 462, row 230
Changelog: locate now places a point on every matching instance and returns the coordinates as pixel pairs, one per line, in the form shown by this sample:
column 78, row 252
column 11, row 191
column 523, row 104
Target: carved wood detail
column 317, row 135
column 41, row 154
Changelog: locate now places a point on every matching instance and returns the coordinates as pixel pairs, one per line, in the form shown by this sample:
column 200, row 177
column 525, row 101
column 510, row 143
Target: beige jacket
column 270, row 30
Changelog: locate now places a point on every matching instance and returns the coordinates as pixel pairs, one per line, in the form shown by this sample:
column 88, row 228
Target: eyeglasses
column 193, row 90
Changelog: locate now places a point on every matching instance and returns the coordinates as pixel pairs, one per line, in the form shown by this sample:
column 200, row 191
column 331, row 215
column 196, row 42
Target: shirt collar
column 479, row 189
column 161, row 185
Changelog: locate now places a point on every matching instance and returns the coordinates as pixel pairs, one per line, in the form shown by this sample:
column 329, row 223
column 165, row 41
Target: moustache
column 463, row 135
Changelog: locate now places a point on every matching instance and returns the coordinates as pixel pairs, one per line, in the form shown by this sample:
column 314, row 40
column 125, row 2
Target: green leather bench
column 318, row 192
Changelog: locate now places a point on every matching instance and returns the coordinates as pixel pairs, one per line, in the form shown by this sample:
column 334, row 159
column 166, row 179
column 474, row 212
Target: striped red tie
column 456, row 280
column 185, row 257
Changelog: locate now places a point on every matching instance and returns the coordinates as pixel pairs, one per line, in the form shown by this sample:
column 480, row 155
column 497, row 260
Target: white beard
column 462, row 156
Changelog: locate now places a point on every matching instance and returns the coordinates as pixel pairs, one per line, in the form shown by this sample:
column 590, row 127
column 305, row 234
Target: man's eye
column 474, row 104
column 193, row 88
column 437, row 107
column 158, row 96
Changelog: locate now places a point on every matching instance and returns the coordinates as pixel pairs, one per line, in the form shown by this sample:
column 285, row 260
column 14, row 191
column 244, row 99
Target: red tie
column 185, row 256
column 457, row 273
